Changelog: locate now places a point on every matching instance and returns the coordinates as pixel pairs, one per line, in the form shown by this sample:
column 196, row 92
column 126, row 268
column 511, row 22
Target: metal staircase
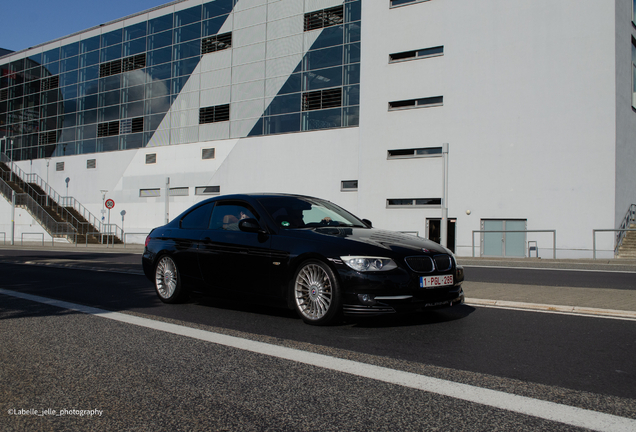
column 61, row 217
column 626, row 240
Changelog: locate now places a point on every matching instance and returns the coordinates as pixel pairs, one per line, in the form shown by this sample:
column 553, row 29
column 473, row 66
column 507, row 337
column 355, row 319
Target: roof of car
column 263, row 195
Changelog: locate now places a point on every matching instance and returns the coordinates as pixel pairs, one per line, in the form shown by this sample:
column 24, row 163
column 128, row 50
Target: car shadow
column 410, row 319
column 240, row 306
column 419, row 318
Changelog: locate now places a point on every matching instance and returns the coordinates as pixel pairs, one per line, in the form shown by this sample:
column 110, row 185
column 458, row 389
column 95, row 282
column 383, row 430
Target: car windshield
column 297, row 212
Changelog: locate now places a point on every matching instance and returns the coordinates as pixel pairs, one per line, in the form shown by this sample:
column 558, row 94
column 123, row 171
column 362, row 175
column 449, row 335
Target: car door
column 186, row 242
column 231, row 259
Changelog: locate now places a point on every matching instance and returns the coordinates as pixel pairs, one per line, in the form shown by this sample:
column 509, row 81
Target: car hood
column 388, row 240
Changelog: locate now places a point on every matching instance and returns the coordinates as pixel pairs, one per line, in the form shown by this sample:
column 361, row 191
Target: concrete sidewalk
column 603, row 301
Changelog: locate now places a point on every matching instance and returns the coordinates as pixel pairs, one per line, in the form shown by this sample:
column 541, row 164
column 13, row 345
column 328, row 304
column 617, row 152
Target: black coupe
column 304, row 253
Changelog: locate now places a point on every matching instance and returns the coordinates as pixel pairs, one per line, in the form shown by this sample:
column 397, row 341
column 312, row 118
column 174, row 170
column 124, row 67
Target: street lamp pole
column 103, row 191
column 9, row 153
column 48, row 187
column 11, row 157
column 444, row 221
column 68, row 179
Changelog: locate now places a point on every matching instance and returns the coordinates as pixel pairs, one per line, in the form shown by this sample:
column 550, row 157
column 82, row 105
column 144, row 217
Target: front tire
column 316, row 293
column 168, row 281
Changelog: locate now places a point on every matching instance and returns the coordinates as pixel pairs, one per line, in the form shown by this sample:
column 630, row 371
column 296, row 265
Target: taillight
column 147, row 240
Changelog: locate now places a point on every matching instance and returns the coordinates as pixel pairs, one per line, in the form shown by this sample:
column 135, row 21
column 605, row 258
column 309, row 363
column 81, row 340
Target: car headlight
column 363, row 263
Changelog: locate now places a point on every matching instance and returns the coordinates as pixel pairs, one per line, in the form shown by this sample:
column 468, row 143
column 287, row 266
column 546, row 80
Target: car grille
column 443, row 262
column 424, row 264
column 420, row 264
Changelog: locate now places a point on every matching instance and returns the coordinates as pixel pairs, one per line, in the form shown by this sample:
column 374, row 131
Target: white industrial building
column 534, row 100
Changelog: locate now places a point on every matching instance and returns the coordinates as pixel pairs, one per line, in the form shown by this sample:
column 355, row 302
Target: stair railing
column 63, row 202
column 53, row 227
column 630, row 218
column 23, row 180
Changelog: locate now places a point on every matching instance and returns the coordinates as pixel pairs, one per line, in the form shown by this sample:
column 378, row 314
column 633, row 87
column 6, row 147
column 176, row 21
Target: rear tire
column 168, row 281
column 316, row 293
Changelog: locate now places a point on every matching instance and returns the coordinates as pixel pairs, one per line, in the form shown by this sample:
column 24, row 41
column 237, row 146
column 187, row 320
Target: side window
column 197, row 218
column 226, row 216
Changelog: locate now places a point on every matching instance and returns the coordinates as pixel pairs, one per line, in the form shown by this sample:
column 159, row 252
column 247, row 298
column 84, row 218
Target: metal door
column 503, row 244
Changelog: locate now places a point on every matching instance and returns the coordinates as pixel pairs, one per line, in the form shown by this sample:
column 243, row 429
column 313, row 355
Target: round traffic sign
column 110, row 204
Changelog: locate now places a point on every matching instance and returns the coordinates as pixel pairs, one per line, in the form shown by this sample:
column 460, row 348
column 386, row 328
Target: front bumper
column 395, row 292
column 384, row 305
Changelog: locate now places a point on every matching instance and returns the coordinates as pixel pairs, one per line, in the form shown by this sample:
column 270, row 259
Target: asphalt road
column 146, row 379
column 553, row 277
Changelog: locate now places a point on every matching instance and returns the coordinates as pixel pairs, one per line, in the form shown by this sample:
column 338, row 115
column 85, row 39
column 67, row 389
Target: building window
column 50, row 83
column 214, row 114
column 416, row 54
column 414, row 153
column 396, row 3
column 48, row 137
column 207, row 190
column 324, row 18
column 91, row 164
column 413, row 202
column 349, row 185
column 151, row 158
column 108, row 129
column 216, row 43
column 148, row 193
column 322, row 99
column 179, row 191
column 207, row 153
column 416, row 103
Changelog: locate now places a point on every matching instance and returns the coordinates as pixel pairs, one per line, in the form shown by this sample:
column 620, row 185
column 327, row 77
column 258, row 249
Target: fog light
column 366, row 299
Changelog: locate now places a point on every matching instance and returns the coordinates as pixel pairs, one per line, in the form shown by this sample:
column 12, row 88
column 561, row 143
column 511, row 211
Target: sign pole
column 110, row 204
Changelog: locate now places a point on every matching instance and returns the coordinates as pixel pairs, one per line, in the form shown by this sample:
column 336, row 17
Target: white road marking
column 520, row 404
column 546, row 268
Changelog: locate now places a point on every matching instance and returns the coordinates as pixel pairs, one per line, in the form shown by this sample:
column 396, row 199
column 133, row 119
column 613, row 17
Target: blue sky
column 26, row 23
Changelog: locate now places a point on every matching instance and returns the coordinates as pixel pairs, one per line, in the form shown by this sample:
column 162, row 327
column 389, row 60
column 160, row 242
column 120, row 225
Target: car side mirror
column 368, row 223
column 250, row 225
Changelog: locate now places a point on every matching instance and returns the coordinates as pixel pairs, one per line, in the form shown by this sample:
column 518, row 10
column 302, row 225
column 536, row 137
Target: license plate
column 436, row 281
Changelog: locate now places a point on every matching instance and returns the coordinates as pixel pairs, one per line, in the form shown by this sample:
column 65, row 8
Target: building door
column 505, row 244
column 433, row 227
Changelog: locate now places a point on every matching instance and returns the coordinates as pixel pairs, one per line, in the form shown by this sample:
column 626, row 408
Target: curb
column 576, row 310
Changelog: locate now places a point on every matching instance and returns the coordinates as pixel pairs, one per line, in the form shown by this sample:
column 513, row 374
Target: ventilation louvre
column 216, row 43
column 207, row 153
column 108, row 129
column 214, row 114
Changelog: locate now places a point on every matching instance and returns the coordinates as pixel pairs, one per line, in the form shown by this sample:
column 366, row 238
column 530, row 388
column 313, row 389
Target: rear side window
column 197, row 218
